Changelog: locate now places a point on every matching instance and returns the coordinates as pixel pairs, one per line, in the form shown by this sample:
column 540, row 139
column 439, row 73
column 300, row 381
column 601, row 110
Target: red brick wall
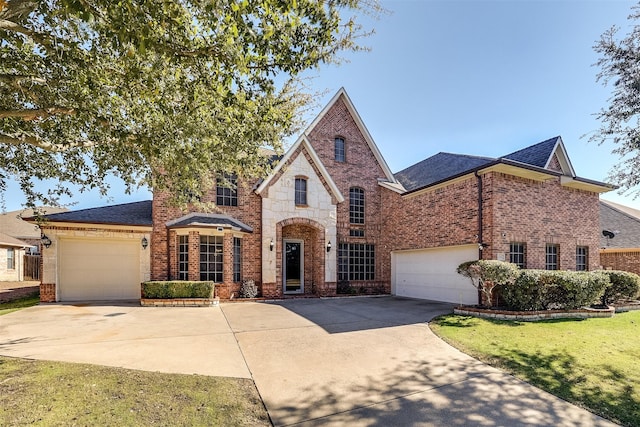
column 514, row 210
column 538, row 213
column 360, row 169
column 621, row 259
column 47, row 292
column 249, row 211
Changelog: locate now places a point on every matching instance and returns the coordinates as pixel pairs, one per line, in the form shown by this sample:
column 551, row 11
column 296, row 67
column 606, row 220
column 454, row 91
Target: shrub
column 544, row 290
column 623, row 286
column 248, row 289
column 177, row 289
column 485, row 275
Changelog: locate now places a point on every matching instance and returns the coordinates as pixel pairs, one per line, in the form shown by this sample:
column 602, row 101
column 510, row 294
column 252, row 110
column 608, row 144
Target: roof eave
column 586, row 184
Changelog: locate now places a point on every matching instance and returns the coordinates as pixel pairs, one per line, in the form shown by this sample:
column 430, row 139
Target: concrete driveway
column 357, row 361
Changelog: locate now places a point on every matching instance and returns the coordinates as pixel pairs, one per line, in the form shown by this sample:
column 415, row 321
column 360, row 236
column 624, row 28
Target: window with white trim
column 11, row 259
column 211, row 265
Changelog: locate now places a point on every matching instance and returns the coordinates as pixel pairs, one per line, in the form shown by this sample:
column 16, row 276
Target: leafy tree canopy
column 158, row 93
column 619, row 65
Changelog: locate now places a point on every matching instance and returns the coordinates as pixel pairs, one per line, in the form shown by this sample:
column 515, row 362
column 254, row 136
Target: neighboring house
column 332, row 216
column 11, row 258
column 11, row 223
column 620, row 238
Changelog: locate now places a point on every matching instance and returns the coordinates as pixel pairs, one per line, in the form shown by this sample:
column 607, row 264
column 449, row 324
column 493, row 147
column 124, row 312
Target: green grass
column 53, row 393
column 593, row 363
column 15, row 305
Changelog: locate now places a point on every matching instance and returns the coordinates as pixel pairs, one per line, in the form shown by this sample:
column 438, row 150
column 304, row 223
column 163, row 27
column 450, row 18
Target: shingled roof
column 6, row 240
column 621, row 221
column 535, row 155
column 209, row 220
column 136, row 213
column 438, row 168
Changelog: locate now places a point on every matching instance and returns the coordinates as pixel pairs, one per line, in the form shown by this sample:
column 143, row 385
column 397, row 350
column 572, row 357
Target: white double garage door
column 431, row 274
column 98, row 269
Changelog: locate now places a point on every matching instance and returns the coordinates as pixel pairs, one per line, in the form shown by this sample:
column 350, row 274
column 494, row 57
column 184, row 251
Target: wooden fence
column 32, row 267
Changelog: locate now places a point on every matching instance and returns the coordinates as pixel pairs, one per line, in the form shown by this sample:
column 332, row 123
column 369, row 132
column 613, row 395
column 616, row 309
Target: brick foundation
column 47, row 292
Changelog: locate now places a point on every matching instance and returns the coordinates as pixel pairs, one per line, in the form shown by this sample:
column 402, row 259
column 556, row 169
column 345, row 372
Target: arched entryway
column 300, row 261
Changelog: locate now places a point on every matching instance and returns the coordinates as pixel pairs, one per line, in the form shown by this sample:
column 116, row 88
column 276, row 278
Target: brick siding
column 621, row 259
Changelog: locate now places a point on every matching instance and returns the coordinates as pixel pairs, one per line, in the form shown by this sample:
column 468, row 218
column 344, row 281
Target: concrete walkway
column 356, row 362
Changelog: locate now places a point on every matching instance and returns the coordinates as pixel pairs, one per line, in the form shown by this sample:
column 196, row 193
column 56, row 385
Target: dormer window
column 339, row 149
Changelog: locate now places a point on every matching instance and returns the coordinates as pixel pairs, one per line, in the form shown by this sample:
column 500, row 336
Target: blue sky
column 472, row 77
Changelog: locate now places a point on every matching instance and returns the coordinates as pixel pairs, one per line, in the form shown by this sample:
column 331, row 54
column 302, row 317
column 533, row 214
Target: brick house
column 620, row 237
column 332, row 217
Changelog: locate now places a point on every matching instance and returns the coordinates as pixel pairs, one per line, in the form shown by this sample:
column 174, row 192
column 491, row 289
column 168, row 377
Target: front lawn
column 55, row 393
column 594, row 363
column 15, row 305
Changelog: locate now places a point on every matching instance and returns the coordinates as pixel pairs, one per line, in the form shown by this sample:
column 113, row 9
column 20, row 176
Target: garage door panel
column 431, row 274
column 99, row 269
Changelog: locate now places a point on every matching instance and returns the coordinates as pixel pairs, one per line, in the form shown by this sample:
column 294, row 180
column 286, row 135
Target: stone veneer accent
column 533, row 316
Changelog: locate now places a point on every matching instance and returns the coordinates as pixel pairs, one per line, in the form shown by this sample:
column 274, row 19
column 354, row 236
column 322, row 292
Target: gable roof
column 303, row 144
column 541, row 155
column 136, row 213
column 12, row 224
column 621, row 220
column 361, row 126
column 437, row 168
column 207, row 220
column 6, row 240
column 530, row 162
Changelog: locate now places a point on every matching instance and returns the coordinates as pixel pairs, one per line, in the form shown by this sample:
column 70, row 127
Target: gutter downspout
column 480, row 215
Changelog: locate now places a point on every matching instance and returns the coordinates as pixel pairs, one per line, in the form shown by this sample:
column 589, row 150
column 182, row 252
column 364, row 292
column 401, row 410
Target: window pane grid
column 301, row 192
column 227, row 191
column 211, row 258
column 356, row 261
column 11, row 259
column 551, row 257
column 356, row 205
column 339, row 150
column 237, row 259
column 183, row 257
column 582, row 258
column 517, row 254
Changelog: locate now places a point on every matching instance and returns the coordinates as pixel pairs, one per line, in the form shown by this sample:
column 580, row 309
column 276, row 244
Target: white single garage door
column 99, row 269
column 431, row 274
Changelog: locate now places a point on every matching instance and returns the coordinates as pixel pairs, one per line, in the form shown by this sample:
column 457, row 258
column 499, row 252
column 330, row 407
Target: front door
column 293, row 260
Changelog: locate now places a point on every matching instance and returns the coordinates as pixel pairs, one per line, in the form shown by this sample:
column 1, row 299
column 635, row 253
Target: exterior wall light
column 481, row 246
column 271, row 245
column 145, row 243
column 329, row 246
column 46, row 242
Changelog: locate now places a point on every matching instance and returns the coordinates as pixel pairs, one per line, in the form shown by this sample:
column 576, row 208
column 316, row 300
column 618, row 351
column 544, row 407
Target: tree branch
column 36, row 113
column 21, row 139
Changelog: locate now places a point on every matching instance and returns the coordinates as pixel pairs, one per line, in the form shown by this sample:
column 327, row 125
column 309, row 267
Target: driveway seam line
column 247, row 365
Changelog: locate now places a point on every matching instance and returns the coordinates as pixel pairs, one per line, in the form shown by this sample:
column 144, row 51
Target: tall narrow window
column 301, row 192
column 11, row 259
column 551, row 257
column 339, row 149
column 211, row 258
column 227, row 190
column 582, row 258
column 356, row 205
column 517, row 254
column 356, row 261
column 183, row 257
column 237, row 259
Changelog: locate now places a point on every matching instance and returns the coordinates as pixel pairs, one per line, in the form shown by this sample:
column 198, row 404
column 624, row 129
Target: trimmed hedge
column 545, row 290
column 177, row 289
column 624, row 286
